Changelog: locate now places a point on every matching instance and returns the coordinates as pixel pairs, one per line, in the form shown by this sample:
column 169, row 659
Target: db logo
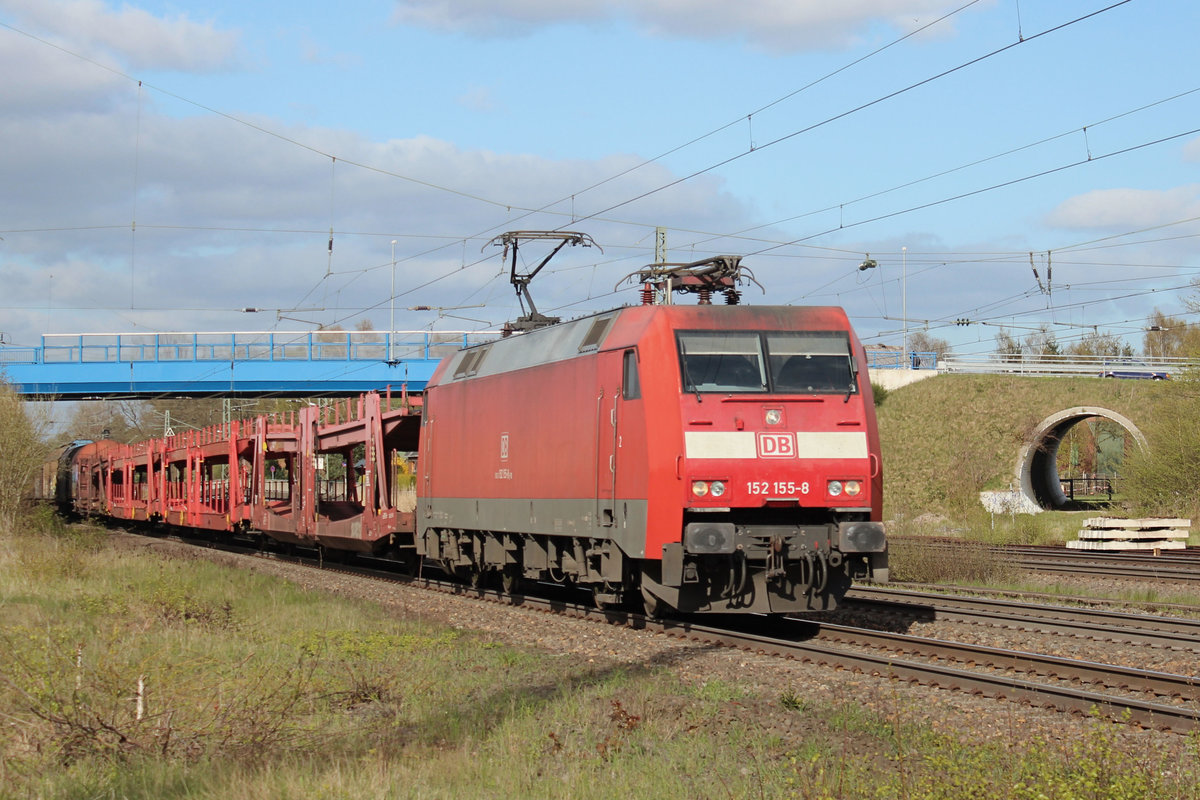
column 776, row 445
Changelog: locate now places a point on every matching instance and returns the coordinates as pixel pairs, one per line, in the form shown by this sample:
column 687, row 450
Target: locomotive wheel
column 476, row 578
column 653, row 606
column 602, row 594
column 510, row 579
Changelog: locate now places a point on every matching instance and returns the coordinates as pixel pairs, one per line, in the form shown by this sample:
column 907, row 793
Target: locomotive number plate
column 777, row 488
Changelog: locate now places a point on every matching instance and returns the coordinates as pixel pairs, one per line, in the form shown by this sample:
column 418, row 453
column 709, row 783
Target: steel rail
column 1169, row 632
column 1108, row 676
column 964, row 590
column 1173, row 565
column 1113, row 570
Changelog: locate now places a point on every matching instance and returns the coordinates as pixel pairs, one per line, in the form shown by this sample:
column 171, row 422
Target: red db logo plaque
column 776, row 445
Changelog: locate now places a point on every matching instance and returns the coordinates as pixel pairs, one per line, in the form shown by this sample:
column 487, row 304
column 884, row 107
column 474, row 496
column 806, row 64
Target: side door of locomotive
column 606, row 432
column 620, row 444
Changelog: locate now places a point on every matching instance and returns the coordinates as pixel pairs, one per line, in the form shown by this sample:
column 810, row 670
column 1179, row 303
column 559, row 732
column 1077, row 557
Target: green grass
column 254, row 688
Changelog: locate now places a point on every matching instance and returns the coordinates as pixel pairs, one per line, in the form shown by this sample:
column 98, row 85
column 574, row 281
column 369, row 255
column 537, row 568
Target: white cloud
column 777, row 25
column 48, row 81
column 480, row 99
column 134, row 36
column 1191, row 150
column 1127, row 209
column 228, row 217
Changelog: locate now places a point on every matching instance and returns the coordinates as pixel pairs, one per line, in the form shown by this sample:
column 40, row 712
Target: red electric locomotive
column 718, row 458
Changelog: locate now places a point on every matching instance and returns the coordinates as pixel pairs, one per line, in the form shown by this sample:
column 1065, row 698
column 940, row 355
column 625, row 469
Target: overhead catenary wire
column 507, row 205
column 330, row 272
column 908, row 88
column 881, row 99
column 1092, row 158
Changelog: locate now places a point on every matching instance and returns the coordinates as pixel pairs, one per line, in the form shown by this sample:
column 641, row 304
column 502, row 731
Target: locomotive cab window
column 712, row 361
column 817, row 362
column 631, row 388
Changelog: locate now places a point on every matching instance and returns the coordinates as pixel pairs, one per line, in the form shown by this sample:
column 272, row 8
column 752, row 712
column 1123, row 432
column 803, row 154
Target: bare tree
column 922, row 342
column 1167, row 336
column 106, row 419
column 1095, row 343
column 1042, row 342
column 1007, row 345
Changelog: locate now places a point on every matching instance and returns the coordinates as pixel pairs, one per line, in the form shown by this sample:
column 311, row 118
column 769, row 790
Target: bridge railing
column 894, row 359
column 18, row 355
column 1030, row 364
column 61, row 348
column 1063, row 365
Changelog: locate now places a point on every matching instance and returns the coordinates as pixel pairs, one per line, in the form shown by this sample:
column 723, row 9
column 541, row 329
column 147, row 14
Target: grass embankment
column 251, row 687
column 946, row 439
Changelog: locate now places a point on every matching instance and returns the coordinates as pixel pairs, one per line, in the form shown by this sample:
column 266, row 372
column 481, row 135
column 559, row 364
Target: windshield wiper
column 687, row 376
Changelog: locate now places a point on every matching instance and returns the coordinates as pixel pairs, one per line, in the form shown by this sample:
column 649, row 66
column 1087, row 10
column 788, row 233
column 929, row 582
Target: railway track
column 1102, row 624
column 1056, row 599
column 1180, row 566
column 1152, row 700
column 1182, row 688
column 1166, row 566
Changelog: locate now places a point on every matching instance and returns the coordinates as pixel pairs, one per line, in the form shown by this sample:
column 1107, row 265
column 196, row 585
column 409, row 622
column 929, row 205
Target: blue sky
column 801, row 134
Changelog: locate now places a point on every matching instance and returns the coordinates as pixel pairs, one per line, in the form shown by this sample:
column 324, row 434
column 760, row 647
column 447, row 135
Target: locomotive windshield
column 809, row 362
column 722, row 362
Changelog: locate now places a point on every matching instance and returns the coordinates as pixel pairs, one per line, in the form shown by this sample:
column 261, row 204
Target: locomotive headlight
column 853, row 488
column 774, row 416
column 835, row 488
column 700, row 488
column 717, row 488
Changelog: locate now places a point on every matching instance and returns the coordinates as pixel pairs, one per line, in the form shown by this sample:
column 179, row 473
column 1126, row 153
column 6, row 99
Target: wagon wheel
column 407, row 561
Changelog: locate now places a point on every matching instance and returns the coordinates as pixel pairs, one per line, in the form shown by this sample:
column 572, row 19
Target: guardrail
column 80, row 348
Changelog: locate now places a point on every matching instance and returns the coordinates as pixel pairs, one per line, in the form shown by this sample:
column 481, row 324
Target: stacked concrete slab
column 1108, row 533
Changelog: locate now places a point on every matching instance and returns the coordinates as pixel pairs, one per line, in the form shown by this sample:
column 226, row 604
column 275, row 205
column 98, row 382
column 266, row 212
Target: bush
column 880, row 392
column 1164, row 480
column 21, row 455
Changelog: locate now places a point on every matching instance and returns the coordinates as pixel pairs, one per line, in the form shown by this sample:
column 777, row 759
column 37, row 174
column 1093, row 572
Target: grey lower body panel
column 575, row 518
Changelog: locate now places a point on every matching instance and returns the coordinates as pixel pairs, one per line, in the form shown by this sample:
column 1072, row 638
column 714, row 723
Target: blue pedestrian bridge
column 277, row 363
